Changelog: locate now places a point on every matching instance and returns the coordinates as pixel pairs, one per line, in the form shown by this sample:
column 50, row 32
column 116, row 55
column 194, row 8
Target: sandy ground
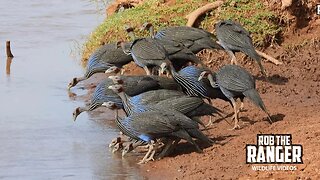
column 292, row 96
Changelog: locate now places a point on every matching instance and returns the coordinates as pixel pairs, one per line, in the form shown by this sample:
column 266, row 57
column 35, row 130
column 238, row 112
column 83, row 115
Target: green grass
column 257, row 19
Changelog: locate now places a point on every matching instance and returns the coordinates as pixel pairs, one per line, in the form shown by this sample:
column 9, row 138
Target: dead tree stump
column 8, row 49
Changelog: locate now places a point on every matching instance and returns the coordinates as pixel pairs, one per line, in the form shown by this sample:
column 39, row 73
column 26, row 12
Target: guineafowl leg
column 151, row 157
column 147, row 70
column 241, row 109
column 241, row 105
column 151, row 148
column 210, row 122
column 167, row 148
column 233, row 57
column 262, row 70
column 236, row 121
column 210, row 118
column 146, row 156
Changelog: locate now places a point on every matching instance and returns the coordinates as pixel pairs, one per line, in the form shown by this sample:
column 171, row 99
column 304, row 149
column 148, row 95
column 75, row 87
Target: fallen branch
column 8, row 49
column 269, row 58
column 193, row 16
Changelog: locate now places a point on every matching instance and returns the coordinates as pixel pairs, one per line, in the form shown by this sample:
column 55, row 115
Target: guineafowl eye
column 110, row 105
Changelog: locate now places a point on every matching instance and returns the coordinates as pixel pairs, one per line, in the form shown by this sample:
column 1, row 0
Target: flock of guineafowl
column 160, row 111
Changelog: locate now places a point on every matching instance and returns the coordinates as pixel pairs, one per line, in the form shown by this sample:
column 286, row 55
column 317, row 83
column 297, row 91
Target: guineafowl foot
column 236, row 126
column 236, row 122
column 149, row 155
column 210, row 122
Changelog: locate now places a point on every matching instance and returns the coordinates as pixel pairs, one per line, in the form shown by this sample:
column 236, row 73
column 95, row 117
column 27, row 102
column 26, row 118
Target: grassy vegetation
column 258, row 19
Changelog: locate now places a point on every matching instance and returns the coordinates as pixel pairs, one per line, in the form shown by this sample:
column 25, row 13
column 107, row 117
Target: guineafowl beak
column 112, row 69
column 73, row 82
column 200, row 78
column 163, row 68
column 117, row 147
column 116, row 79
column 115, row 141
column 111, row 77
column 145, row 26
column 161, row 71
column 76, row 113
column 127, row 149
column 111, row 105
column 116, row 88
column 118, row 44
column 112, row 87
column 203, row 75
column 128, row 28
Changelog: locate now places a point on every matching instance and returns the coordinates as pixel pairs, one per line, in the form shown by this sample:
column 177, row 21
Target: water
column 38, row 139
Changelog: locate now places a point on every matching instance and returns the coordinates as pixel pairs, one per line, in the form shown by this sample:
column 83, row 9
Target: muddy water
column 38, row 139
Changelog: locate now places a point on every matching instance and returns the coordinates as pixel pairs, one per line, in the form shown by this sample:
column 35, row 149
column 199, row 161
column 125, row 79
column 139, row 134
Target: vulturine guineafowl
column 234, row 38
column 102, row 59
column 146, row 52
column 235, row 82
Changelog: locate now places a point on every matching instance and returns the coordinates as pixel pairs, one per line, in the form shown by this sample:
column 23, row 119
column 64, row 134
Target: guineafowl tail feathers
column 254, row 96
column 254, row 55
column 196, row 133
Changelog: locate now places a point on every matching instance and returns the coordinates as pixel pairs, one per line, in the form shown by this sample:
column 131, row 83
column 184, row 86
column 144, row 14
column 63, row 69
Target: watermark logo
column 274, row 149
column 318, row 9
